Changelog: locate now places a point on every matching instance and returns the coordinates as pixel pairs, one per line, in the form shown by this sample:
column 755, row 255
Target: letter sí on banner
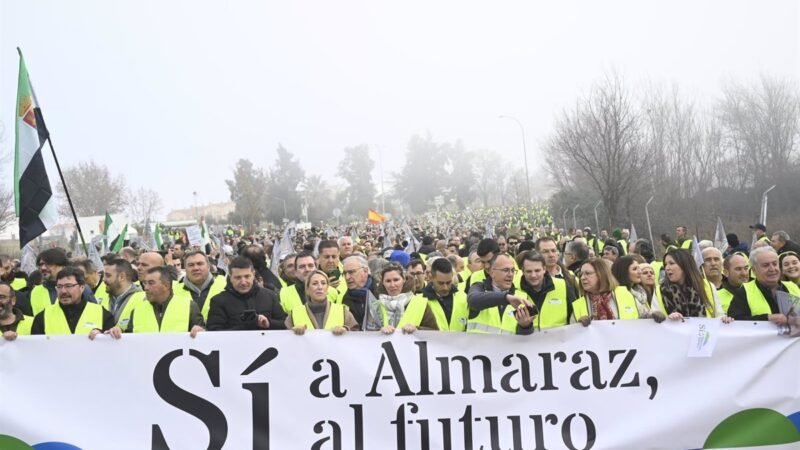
column 611, row 385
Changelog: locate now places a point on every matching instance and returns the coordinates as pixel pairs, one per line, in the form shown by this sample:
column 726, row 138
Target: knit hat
column 400, row 257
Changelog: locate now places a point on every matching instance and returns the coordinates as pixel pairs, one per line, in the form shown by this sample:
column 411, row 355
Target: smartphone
column 248, row 315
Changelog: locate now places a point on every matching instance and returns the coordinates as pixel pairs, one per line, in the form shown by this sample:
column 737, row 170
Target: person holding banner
column 163, row 312
column 494, row 305
column 603, row 298
column 318, row 309
column 13, row 322
column 123, row 293
column 72, row 313
column 684, row 292
column 397, row 306
column 551, row 296
column 759, row 299
column 199, row 285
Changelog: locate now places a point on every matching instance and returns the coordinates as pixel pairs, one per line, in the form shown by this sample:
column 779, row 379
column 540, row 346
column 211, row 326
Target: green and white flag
column 157, row 236
column 119, row 242
column 106, row 230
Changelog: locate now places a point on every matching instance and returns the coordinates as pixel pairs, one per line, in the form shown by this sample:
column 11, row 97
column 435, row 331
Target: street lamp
column 524, row 154
column 285, row 214
column 194, row 194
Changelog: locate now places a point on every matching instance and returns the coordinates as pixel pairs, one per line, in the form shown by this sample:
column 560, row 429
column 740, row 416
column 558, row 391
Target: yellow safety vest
column 626, row 305
column 756, row 301
column 709, row 312
column 19, row 284
column 459, row 316
column 40, row 299
column 413, row 312
column 55, row 322
column 24, row 326
column 657, row 266
column 489, row 321
column 725, row 298
column 175, row 320
column 101, row 293
column 554, row 309
column 624, row 244
column 290, row 298
column 335, row 317
column 475, row 278
column 217, row 286
column 686, row 244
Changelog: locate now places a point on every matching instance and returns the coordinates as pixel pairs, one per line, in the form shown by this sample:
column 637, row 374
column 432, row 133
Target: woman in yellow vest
column 648, row 276
column 684, row 292
column 398, row 307
column 790, row 270
column 627, row 271
column 318, row 309
column 603, row 299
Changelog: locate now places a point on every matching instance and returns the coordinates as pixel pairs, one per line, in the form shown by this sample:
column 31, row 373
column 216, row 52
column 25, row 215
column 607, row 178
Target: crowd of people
column 488, row 271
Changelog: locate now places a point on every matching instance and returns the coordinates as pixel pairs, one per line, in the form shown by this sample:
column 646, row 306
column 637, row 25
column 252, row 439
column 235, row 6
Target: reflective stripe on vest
column 55, row 322
column 175, row 320
column 626, row 305
column 458, row 318
column 40, row 299
column 335, row 317
column 24, row 326
column 489, row 321
column 413, row 312
column 554, row 309
column 101, row 293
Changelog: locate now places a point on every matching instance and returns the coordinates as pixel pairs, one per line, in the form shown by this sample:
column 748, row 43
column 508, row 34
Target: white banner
column 629, row 385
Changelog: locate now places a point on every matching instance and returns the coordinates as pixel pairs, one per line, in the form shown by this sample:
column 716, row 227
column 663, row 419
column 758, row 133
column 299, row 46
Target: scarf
column 601, row 306
column 394, row 306
column 683, row 299
column 642, row 301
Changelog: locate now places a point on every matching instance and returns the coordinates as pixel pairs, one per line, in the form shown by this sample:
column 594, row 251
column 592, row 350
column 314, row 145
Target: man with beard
column 329, row 262
column 72, row 313
column 10, row 275
column 123, row 293
column 50, row 262
column 13, row 322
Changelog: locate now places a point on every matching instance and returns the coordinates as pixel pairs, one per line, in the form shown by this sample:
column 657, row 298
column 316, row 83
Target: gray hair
column 376, row 266
column 362, row 262
column 760, row 250
column 782, row 235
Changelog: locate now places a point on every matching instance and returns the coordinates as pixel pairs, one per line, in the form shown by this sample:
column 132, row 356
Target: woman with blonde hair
column 319, row 310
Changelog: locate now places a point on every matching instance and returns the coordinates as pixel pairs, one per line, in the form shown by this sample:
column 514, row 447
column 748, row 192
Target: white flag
column 720, row 238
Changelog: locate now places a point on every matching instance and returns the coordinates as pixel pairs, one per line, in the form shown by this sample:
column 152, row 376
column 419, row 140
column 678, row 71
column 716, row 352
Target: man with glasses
column 50, row 262
column 416, row 268
column 494, row 307
column 72, row 313
column 13, row 322
column 361, row 289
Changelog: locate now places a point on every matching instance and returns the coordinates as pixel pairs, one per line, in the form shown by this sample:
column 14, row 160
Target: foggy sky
column 171, row 93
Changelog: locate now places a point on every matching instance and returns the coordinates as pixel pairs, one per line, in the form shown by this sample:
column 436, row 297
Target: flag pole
column 40, row 118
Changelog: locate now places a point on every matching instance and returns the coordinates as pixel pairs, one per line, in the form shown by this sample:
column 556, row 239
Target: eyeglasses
column 66, row 286
column 507, row 270
column 348, row 273
column 416, row 274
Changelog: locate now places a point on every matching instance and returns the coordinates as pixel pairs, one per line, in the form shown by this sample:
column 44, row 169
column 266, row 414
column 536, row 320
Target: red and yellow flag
column 375, row 217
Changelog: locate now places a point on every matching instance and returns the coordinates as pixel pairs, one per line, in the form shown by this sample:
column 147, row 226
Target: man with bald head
column 737, row 273
column 494, row 307
column 147, row 261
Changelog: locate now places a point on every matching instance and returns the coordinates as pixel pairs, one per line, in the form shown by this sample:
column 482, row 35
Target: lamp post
column 596, row 220
column 285, row 214
column 194, row 194
column 524, row 154
column 649, row 227
column 575, row 222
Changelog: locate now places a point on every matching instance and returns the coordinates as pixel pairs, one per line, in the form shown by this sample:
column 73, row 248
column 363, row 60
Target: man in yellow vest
column 147, row 261
column 682, row 237
column 737, row 273
column 487, row 250
column 9, row 274
column 448, row 304
column 759, row 299
column 94, row 279
column 13, row 322
column 199, row 284
column 50, row 263
column 329, row 262
column 72, row 313
column 163, row 312
column 550, row 295
column 760, row 232
column 712, row 266
column 123, row 293
column 494, row 306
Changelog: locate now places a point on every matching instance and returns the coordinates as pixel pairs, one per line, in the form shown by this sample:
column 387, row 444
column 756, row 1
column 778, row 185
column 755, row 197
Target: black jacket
column 356, row 301
column 227, row 307
column 790, row 246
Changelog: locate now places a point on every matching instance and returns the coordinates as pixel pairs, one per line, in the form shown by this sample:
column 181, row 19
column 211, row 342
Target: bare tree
column 143, row 205
column 601, row 143
column 93, row 189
